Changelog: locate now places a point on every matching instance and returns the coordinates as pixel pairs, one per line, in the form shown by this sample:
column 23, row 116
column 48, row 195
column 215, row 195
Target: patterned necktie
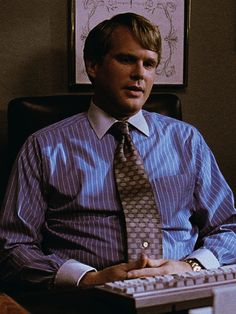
column 141, row 214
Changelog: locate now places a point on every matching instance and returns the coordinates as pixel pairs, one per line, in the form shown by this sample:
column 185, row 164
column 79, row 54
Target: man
column 62, row 221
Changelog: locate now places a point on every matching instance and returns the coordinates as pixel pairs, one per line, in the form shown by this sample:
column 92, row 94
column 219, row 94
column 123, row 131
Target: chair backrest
column 29, row 114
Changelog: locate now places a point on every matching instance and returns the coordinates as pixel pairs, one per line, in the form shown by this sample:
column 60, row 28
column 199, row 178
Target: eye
column 125, row 59
column 150, row 64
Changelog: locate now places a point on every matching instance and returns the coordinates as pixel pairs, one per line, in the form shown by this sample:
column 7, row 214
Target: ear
column 91, row 68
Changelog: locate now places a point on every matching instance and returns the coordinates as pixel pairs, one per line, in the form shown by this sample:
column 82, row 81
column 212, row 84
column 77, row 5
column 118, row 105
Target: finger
column 143, row 260
column 156, row 262
column 144, row 272
column 140, row 263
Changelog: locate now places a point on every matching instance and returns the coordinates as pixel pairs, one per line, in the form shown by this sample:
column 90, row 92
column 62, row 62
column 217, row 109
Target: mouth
column 134, row 89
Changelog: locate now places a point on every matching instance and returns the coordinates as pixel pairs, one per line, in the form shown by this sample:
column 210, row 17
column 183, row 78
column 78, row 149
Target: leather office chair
column 29, row 114
column 26, row 115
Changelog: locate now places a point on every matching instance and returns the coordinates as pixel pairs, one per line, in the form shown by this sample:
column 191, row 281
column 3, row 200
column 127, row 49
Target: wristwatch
column 196, row 266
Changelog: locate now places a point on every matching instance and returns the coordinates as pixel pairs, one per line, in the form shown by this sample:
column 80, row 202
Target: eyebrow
column 134, row 57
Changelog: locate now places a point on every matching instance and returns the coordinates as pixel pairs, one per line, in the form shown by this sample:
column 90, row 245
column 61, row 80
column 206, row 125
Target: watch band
column 196, row 266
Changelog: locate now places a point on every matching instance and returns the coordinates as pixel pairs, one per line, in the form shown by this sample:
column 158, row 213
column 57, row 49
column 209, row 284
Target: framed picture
column 172, row 17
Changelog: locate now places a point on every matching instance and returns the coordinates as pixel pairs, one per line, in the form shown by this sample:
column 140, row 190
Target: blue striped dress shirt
column 61, row 216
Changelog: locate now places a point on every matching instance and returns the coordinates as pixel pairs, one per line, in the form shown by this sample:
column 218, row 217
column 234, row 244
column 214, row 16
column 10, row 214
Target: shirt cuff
column 206, row 258
column 70, row 273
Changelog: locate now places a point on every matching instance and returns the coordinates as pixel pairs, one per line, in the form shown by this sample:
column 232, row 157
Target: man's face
column 124, row 79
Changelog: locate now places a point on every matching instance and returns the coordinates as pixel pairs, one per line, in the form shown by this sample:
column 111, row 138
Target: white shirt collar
column 102, row 121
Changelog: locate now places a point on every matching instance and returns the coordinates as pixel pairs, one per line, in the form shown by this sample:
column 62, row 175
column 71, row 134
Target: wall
column 210, row 98
column 33, row 54
column 33, row 61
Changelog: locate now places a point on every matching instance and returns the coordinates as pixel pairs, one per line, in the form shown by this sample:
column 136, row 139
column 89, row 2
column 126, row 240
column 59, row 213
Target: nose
column 138, row 71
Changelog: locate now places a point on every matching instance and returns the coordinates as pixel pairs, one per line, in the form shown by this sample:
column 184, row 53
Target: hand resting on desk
column 143, row 267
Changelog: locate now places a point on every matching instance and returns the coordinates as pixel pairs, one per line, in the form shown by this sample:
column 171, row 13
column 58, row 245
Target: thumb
column 139, row 263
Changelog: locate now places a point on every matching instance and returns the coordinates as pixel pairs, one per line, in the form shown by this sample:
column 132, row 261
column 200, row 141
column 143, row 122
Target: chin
column 131, row 108
column 135, row 101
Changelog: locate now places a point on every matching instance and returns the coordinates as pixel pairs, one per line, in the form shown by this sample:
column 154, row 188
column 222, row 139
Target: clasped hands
column 142, row 267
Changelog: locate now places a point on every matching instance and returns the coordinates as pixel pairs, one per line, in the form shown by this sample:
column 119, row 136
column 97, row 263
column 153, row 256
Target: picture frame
column 173, row 21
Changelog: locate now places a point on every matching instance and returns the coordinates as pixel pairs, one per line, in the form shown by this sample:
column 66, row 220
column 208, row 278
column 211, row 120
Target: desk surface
column 92, row 301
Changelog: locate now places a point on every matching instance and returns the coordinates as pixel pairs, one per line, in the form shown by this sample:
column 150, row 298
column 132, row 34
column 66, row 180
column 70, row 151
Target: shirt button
column 145, row 244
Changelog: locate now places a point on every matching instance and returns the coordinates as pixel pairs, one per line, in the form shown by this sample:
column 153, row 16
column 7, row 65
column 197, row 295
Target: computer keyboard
column 172, row 289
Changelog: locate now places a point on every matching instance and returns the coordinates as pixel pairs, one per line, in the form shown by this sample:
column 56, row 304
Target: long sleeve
column 22, row 223
column 214, row 212
column 60, row 218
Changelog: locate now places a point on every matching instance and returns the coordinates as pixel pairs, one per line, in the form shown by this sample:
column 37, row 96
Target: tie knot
column 120, row 128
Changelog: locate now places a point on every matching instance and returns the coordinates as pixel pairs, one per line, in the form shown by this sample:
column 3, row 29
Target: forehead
column 124, row 41
column 121, row 36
